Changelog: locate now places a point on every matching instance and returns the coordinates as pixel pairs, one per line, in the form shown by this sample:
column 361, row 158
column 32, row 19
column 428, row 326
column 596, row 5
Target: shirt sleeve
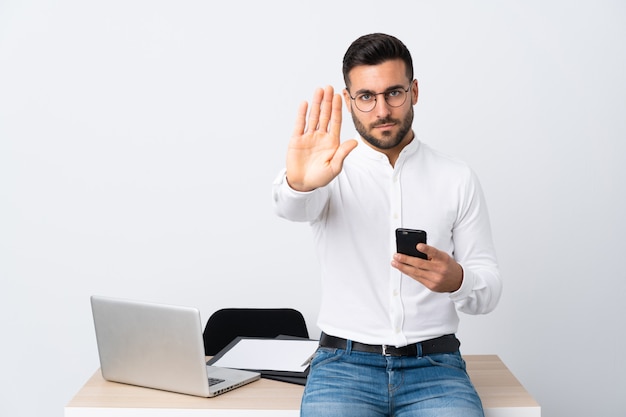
column 295, row 205
column 474, row 250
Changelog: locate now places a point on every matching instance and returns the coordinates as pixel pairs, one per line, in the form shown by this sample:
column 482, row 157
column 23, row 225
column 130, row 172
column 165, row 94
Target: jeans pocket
column 448, row 360
column 324, row 355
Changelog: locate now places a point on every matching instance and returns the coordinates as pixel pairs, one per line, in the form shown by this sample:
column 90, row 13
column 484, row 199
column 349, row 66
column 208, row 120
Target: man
column 388, row 320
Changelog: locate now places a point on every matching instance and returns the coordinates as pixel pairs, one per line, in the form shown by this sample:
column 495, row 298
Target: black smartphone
column 407, row 239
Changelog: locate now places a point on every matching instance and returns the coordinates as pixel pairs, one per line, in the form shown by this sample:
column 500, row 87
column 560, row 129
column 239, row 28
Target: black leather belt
column 444, row 344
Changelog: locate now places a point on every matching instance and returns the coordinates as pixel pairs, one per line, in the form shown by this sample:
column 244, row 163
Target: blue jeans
column 346, row 383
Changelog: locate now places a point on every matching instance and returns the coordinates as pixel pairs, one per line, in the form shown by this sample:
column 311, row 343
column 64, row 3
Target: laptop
column 158, row 346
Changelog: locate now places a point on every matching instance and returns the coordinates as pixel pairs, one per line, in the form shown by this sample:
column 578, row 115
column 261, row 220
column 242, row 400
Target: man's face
column 384, row 127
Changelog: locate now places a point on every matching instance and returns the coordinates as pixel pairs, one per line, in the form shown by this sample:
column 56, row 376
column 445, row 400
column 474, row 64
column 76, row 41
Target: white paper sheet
column 269, row 354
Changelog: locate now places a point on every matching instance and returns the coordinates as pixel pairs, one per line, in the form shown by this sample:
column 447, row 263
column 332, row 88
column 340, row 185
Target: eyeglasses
column 394, row 97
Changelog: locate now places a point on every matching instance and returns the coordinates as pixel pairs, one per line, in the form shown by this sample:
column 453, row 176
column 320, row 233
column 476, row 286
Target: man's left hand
column 439, row 272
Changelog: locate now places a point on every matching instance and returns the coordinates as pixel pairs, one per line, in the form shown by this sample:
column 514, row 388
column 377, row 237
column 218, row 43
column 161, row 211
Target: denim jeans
column 346, row 383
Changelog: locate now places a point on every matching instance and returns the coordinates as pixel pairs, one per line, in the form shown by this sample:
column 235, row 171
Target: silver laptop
column 158, row 346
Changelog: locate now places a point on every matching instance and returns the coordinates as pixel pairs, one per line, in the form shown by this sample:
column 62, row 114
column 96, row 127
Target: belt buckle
column 385, row 351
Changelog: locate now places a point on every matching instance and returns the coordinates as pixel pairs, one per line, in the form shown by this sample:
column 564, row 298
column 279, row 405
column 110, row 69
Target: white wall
column 139, row 140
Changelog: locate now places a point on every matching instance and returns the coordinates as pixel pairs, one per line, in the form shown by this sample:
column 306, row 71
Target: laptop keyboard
column 213, row 381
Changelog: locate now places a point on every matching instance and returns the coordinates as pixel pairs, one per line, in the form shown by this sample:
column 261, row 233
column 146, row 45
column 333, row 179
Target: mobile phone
column 407, row 240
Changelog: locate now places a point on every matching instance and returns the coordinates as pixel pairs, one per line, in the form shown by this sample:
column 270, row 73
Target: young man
column 388, row 320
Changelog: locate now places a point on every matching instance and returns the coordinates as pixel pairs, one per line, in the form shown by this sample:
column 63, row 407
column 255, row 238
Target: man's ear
column 414, row 92
column 347, row 100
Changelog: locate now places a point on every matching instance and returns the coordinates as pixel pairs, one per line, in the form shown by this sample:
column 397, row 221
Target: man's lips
column 384, row 123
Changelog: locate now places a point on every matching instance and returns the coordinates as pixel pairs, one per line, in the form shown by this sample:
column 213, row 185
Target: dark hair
column 374, row 49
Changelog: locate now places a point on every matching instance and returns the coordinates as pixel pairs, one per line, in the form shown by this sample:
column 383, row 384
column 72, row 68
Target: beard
column 388, row 141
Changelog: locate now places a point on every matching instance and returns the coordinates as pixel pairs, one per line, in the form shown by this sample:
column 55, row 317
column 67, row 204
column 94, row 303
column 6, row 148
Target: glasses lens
column 365, row 102
column 395, row 98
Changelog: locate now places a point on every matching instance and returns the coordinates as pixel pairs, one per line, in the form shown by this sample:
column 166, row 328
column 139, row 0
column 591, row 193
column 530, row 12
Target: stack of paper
column 286, row 359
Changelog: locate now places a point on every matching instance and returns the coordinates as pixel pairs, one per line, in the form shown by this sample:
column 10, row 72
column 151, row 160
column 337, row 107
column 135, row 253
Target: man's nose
column 381, row 108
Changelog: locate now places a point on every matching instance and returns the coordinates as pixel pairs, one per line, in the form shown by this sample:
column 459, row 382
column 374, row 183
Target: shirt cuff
column 281, row 181
column 467, row 285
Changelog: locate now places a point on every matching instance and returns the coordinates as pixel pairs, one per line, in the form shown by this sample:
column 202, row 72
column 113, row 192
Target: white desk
column 501, row 393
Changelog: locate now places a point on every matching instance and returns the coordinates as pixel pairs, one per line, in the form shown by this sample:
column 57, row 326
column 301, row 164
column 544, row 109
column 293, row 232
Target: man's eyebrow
column 367, row 91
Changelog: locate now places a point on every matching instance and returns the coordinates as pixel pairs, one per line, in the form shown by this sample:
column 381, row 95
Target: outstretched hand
column 315, row 153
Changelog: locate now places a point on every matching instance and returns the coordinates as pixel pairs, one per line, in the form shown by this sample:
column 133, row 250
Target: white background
column 139, row 140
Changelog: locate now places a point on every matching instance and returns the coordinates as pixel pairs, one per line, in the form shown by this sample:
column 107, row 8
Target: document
column 273, row 355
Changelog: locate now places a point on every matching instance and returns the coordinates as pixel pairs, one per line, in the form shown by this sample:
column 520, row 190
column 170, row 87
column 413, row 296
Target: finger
column 314, row 112
column 411, row 263
column 415, row 268
column 429, row 251
column 300, row 125
column 408, row 269
column 327, row 108
column 335, row 118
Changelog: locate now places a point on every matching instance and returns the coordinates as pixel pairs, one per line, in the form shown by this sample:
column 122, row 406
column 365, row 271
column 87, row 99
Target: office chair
column 227, row 324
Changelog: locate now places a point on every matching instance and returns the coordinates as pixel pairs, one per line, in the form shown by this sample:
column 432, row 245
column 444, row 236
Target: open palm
column 315, row 154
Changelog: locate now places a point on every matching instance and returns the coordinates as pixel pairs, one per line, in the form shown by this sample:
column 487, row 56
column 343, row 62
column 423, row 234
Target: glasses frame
column 384, row 93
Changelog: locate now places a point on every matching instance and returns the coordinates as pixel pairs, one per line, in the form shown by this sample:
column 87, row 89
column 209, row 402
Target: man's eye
column 365, row 97
column 393, row 93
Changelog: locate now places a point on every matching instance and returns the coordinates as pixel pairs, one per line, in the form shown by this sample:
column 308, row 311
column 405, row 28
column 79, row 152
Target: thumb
column 342, row 151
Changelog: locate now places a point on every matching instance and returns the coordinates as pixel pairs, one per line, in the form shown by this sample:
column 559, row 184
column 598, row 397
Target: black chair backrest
column 226, row 324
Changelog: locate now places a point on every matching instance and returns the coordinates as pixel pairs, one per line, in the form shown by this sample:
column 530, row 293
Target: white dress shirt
column 354, row 220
